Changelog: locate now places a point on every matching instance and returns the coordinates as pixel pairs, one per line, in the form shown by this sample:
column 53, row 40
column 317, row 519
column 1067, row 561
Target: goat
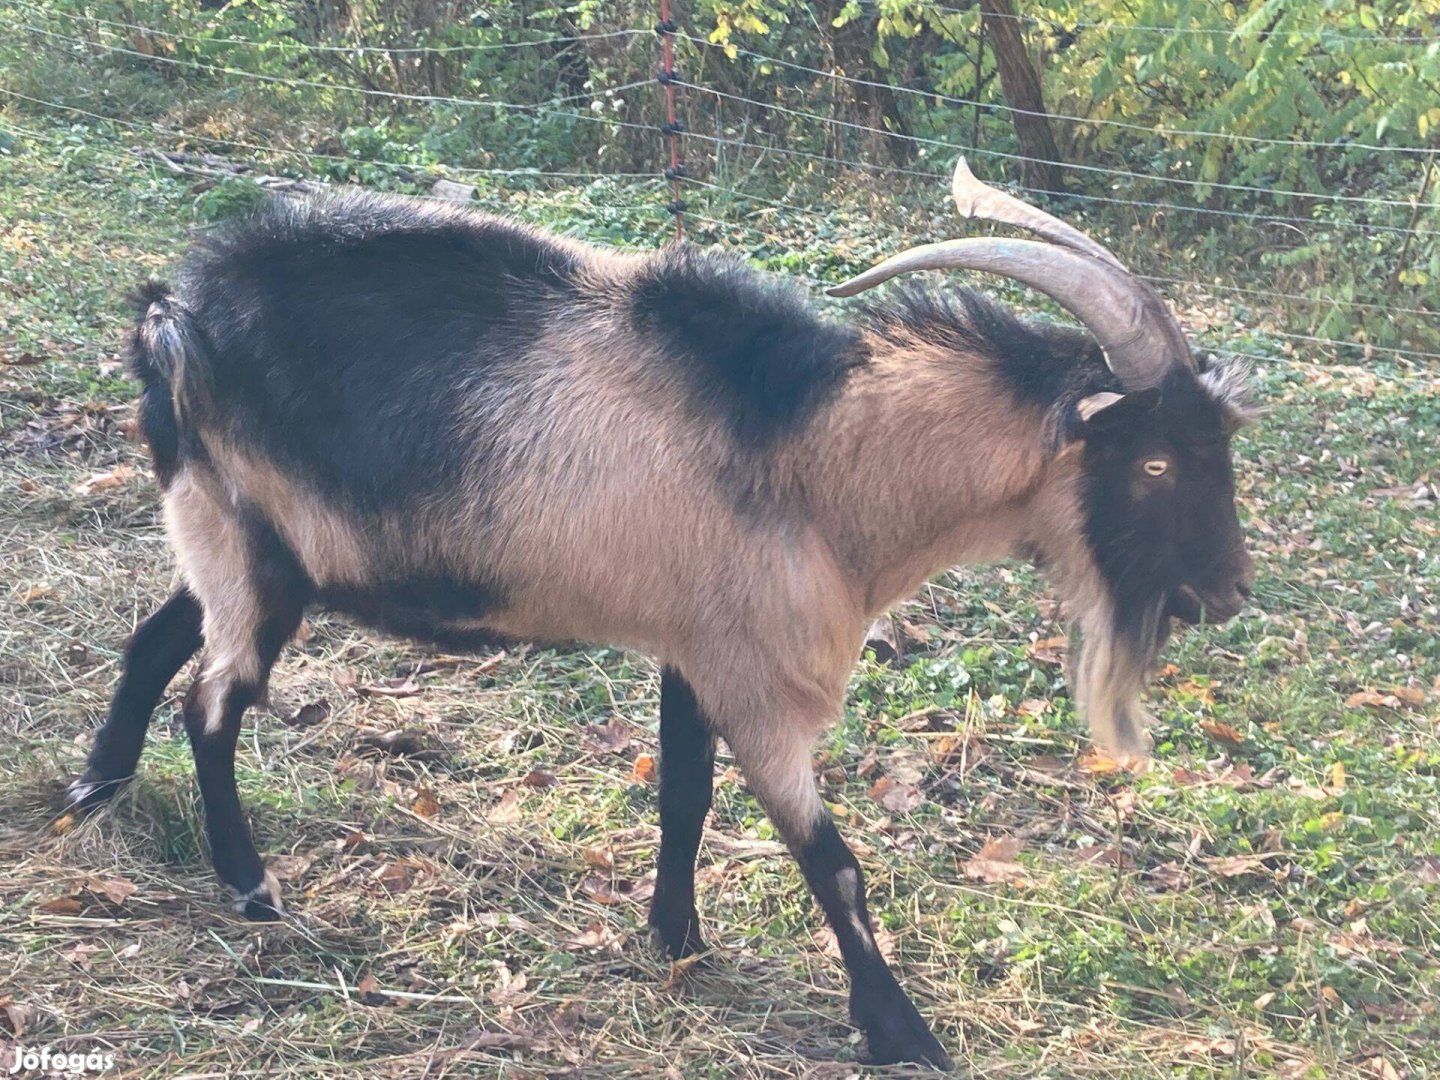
column 456, row 428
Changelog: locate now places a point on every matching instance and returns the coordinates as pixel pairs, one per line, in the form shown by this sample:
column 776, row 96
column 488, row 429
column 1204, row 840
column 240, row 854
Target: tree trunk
column 1020, row 83
column 852, row 46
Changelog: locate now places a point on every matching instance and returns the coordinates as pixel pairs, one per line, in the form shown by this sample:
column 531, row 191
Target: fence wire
column 731, row 143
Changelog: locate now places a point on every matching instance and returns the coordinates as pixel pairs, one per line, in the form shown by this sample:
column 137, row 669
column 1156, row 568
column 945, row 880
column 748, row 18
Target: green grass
column 1259, row 903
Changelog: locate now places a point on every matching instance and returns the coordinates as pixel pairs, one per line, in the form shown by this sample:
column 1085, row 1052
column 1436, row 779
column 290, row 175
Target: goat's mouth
column 1191, row 607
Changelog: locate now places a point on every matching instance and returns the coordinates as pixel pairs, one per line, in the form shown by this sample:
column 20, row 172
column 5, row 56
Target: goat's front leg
column 687, row 780
column 158, row 650
column 776, row 761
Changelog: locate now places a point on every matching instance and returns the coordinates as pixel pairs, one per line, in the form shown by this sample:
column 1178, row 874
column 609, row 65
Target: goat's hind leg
column 158, row 650
column 253, row 593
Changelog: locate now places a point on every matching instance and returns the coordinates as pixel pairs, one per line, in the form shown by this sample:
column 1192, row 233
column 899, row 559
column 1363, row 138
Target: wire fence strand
column 930, row 183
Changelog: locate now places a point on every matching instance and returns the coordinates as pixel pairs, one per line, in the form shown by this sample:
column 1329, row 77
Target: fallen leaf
column 600, row 858
column 1337, row 778
column 594, row 936
column 116, row 890
column 393, row 688
column 34, row 593
column 896, row 797
column 1169, row 875
column 61, row 905
column 1221, row 732
column 17, row 1017
column 396, row 877
column 1237, row 865
column 507, row 810
column 288, row 867
column 1050, row 651
column 614, row 736
column 540, row 778
column 1428, row 869
column 1032, row 707
column 109, row 481
column 644, row 770
column 995, row 863
column 1371, row 699
column 1198, row 692
column 310, row 714
column 403, row 742
column 425, row 804
column 607, row 889
column 1410, row 695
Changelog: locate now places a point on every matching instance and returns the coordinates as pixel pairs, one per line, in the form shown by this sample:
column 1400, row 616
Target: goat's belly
column 439, row 609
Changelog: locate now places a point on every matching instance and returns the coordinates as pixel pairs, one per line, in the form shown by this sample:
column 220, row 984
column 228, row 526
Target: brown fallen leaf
column 368, row 988
column 14, row 1017
column 289, row 867
column 644, row 769
column 995, row 863
column 507, row 810
column 116, row 890
column 540, row 778
column 61, row 905
column 1237, row 865
column 600, row 857
column 393, row 688
column 310, row 714
column 1371, row 699
column 614, row 736
column 425, row 804
column 1049, row 651
column 116, row 478
column 1170, row 876
column 607, row 889
column 396, row 877
column 403, row 742
column 896, row 797
column 594, row 936
column 1222, row 732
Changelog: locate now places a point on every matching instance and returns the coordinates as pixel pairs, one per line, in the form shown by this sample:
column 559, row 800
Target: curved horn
column 1141, row 339
column 976, row 199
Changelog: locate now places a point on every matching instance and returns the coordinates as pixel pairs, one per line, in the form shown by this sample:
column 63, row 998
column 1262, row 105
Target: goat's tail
column 170, row 348
column 171, row 357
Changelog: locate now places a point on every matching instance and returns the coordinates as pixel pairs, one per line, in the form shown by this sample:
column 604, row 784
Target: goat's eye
column 1156, row 467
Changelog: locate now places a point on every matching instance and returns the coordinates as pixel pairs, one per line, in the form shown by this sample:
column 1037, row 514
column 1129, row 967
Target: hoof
column 676, row 937
column 262, row 903
column 91, row 790
column 894, row 1031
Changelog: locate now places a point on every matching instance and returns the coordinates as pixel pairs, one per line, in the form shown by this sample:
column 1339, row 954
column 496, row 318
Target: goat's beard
column 1112, row 654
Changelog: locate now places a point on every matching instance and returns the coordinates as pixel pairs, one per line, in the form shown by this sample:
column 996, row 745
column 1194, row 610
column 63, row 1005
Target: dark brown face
column 1161, row 515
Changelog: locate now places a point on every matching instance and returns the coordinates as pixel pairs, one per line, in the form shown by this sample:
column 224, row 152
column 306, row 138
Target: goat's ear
column 1106, row 411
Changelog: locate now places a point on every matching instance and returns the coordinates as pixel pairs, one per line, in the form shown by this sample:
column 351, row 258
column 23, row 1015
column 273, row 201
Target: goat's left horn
column 1140, row 337
column 976, row 199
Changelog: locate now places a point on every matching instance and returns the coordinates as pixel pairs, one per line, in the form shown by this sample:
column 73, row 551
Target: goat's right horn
column 976, row 199
column 1141, row 339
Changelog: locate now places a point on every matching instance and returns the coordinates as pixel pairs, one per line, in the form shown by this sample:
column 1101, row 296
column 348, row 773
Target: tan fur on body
column 600, row 510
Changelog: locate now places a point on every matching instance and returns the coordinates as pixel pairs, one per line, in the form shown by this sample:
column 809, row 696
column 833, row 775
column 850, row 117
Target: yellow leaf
column 1337, row 777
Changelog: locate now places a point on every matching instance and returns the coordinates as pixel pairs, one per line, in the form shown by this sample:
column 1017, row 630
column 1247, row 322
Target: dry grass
column 475, row 906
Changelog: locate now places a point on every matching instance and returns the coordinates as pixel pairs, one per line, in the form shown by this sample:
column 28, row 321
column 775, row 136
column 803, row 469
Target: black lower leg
column 878, row 1006
column 157, row 651
column 687, row 776
column 212, row 720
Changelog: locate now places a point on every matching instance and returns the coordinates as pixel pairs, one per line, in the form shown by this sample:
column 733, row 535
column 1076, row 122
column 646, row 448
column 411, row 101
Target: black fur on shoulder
column 1042, row 363
column 752, row 346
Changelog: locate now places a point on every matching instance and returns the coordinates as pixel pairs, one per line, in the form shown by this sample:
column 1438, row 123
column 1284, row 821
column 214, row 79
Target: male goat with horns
column 459, row 429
